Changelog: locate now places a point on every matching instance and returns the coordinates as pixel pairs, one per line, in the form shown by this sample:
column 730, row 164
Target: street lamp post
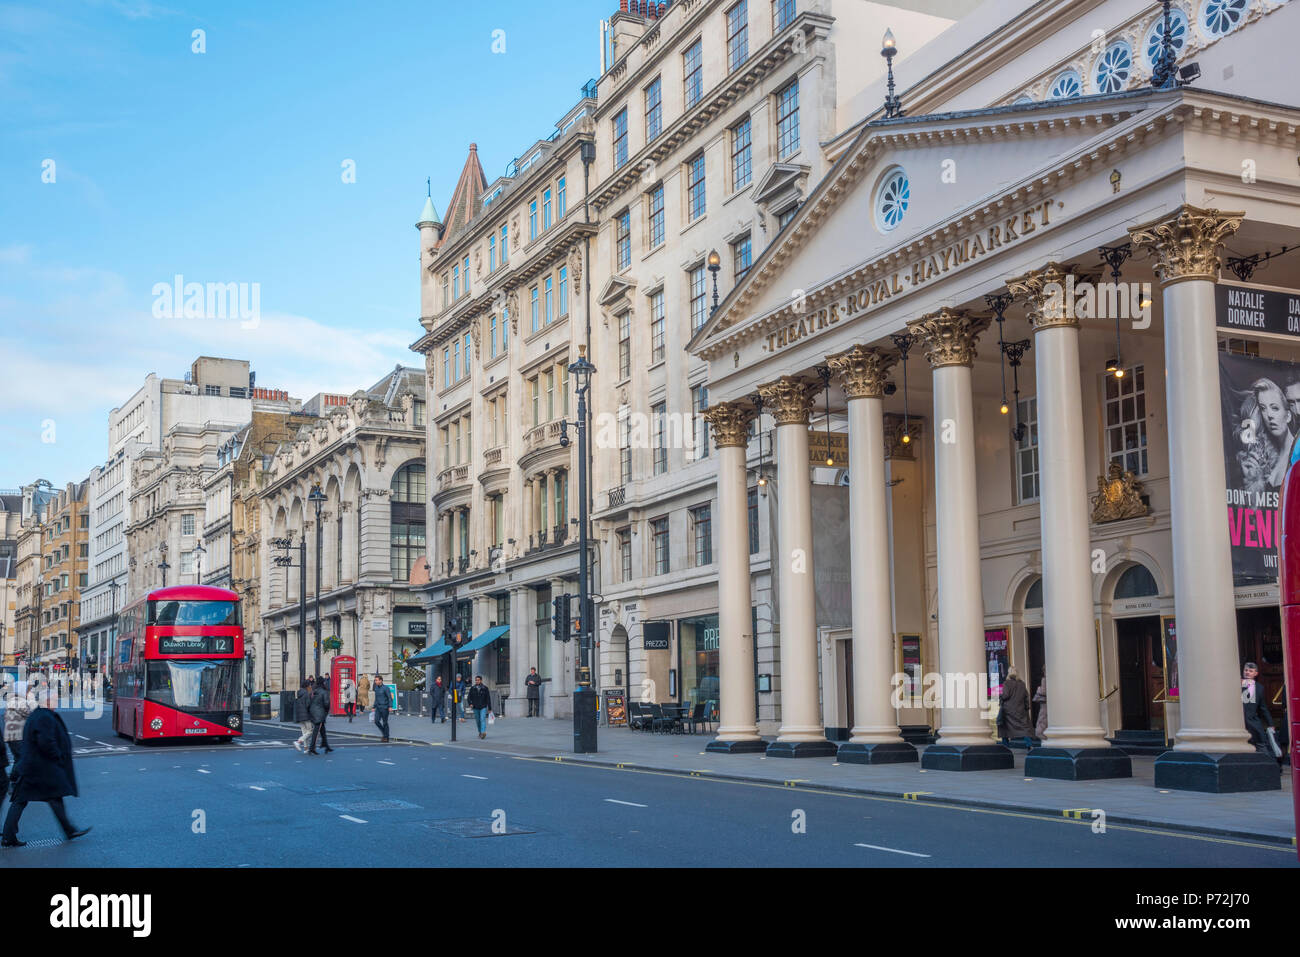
column 584, row 710
column 286, row 561
column 889, row 50
column 104, row 654
column 317, row 498
column 199, row 552
column 715, row 263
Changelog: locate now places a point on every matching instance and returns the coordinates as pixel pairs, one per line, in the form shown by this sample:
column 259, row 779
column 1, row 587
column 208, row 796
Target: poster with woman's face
column 1261, row 417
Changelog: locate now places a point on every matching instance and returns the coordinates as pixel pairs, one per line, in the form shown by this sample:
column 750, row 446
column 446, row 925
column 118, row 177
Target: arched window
column 1136, row 582
column 1034, row 597
column 407, row 520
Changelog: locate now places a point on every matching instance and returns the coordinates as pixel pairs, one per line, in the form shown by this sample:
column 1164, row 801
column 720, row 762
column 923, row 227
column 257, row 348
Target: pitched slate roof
column 465, row 198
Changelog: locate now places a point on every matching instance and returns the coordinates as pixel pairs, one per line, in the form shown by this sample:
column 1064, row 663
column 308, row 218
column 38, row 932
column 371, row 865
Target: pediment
column 781, row 180
column 618, row 287
column 955, row 165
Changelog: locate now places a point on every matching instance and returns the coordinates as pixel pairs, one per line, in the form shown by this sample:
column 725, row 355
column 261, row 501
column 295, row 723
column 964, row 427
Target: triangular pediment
column 618, row 287
column 781, row 180
column 954, row 165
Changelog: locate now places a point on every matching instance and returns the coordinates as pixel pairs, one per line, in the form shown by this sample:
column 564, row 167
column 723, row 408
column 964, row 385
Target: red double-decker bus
column 178, row 666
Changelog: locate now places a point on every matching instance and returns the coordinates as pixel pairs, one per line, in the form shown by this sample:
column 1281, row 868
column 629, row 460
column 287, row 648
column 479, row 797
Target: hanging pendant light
column 825, row 373
column 904, row 341
column 757, row 400
column 998, row 303
column 1115, row 257
column 1014, row 352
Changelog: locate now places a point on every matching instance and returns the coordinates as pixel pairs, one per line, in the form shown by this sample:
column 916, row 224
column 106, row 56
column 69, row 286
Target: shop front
column 697, row 662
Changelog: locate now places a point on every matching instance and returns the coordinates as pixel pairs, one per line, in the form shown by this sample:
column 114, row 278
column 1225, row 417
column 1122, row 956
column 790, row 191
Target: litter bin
column 286, row 706
column 259, row 707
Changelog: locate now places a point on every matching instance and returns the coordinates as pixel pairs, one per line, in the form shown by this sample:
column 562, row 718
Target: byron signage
column 915, row 274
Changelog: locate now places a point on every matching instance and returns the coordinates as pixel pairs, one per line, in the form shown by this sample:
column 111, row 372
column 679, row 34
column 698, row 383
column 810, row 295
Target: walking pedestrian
column 18, row 705
column 438, row 700
column 302, row 714
column 319, row 708
column 534, row 685
column 480, row 699
column 43, row 773
column 1013, row 719
column 383, row 704
column 1040, row 696
column 458, row 700
column 363, row 693
column 1254, row 707
column 349, row 698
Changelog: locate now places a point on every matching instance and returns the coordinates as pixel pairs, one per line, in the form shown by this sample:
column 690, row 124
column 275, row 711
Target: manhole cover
column 356, row 806
column 476, row 827
column 329, row 788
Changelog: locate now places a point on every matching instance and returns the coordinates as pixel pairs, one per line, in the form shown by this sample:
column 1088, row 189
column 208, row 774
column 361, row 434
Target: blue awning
column 485, row 639
column 436, row 650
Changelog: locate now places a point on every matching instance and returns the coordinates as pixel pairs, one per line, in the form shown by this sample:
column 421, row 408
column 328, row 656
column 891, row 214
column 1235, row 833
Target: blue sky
column 226, row 166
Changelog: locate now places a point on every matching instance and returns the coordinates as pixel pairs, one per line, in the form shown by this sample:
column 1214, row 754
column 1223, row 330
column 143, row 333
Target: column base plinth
column 1217, row 773
column 886, row 752
column 967, row 757
column 751, row 746
column 1078, row 764
column 801, row 749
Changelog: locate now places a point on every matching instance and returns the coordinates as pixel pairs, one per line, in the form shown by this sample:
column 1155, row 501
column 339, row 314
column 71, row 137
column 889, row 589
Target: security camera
column 564, row 441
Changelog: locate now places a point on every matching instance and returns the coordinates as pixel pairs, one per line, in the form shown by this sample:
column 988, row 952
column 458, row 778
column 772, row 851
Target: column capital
column 730, row 421
column 1188, row 243
column 789, row 399
column 863, row 371
column 949, row 336
column 1046, row 295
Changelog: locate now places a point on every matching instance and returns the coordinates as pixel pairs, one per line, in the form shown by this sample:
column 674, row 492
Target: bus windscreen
column 193, row 613
column 196, row 686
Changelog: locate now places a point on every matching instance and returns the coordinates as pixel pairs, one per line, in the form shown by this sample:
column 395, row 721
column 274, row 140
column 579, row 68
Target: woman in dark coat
column 1014, row 717
column 43, row 773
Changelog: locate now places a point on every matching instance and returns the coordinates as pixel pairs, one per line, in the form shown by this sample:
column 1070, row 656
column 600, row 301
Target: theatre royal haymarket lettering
column 955, row 255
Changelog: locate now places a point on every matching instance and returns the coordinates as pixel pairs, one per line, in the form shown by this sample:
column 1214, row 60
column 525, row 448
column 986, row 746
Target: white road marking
column 203, row 771
column 254, row 787
column 385, row 762
column 83, row 737
column 891, row 850
column 104, row 743
column 476, row 777
column 355, row 820
column 628, row 803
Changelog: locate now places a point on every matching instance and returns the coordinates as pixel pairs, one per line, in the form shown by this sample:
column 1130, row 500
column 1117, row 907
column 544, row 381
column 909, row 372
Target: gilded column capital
column 789, row 399
column 1187, row 244
column 949, row 336
column 730, row 421
column 1046, row 295
column 863, row 371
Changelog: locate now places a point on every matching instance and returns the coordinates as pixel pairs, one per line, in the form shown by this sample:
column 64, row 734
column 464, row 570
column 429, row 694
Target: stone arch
column 1118, row 564
column 330, row 537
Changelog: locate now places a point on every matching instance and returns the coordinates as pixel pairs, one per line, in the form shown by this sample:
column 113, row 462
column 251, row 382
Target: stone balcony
column 450, row 478
column 545, row 434
column 492, row 457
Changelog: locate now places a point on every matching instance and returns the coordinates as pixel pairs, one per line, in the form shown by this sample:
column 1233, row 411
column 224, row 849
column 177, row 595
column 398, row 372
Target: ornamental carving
column 476, row 334
column 949, row 336
column 863, row 371
column 514, row 313
column 514, row 232
column 730, row 421
column 789, row 400
column 1119, row 496
column 575, row 268
column 1046, row 296
column 1187, row 245
column 478, row 262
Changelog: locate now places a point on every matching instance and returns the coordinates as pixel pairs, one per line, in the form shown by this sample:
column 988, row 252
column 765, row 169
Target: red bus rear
column 178, row 666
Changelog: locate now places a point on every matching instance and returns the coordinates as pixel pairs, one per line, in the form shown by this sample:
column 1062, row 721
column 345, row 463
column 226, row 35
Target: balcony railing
column 559, row 534
column 617, row 496
column 450, row 478
column 544, row 434
column 463, row 564
column 492, row 457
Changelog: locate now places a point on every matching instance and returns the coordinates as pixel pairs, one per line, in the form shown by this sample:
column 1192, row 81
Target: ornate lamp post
column 715, row 263
column 317, row 498
column 162, row 565
column 584, row 711
column 889, row 50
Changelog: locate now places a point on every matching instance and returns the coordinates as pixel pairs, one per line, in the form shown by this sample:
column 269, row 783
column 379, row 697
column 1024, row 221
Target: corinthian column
column 802, row 734
column 737, row 728
column 874, row 738
column 965, row 742
column 1074, row 746
column 1212, row 752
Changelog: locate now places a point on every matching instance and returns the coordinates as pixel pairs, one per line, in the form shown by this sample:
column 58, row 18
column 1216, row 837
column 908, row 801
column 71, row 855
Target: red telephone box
column 343, row 668
column 1289, row 593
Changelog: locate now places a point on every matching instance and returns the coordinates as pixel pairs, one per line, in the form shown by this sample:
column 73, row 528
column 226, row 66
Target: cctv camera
column 564, row 441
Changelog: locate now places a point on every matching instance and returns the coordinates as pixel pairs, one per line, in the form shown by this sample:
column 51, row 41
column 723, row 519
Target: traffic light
column 576, row 627
column 560, row 621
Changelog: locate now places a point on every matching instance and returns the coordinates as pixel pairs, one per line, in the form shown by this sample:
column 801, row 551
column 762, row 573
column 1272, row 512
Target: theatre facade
column 1036, row 348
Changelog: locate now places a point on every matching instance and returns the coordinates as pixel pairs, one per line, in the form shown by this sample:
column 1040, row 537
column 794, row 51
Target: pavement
column 1259, row 816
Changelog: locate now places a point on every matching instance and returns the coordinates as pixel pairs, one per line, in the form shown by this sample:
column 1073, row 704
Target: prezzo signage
column 921, row 271
column 1255, row 309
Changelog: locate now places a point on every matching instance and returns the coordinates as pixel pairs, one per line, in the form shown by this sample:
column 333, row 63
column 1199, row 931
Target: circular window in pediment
column 1066, row 86
column 1222, row 16
column 892, row 199
column 1178, row 27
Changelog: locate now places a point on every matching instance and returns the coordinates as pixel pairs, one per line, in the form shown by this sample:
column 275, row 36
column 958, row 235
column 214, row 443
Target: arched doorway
column 1032, row 616
column 620, row 661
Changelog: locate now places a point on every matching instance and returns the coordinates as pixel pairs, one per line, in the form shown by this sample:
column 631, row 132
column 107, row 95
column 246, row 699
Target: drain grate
column 389, row 805
column 475, row 827
column 46, row 842
column 329, row 788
